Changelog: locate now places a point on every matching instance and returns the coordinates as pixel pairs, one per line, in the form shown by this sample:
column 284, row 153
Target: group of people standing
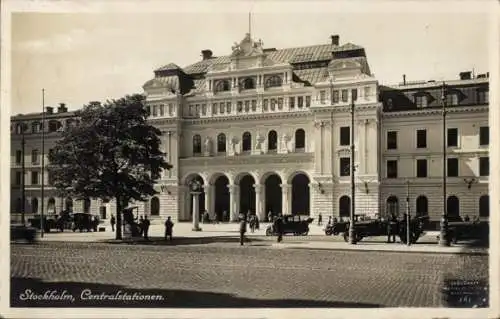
column 144, row 224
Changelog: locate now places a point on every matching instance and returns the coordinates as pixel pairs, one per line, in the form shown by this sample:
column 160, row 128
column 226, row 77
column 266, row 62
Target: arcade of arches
column 225, row 200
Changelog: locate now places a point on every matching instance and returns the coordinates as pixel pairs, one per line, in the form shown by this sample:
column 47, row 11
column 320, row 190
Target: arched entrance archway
column 274, row 198
column 344, row 207
column 222, row 198
column 201, row 198
column 484, row 206
column 247, row 194
column 422, row 206
column 453, row 207
column 392, row 206
column 300, row 194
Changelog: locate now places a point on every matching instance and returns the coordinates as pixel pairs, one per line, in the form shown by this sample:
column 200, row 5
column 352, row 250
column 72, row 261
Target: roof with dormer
column 170, row 66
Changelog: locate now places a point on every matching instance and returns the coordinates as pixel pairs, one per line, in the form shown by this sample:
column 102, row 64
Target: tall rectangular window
column 421, row 138
column 322, row 97
column 482, row 97
column 35, row 157
column 34, row 178
column 214, row 108
column 308, row 100
column 228, row 107
column 345, row 165
column 354, row 95
column 392, row 169
column 421, row 168
column 484, row 136
column 300, row 102
column 345, row 136
column 345, row 95
column 452, row 137
column 155, row 110
column 336, row 96
column 19, row 176
column 392, row 140
column 452, row 99
column 452, row 167
column 19, row 157
column 291, row 102
column 367, row 93
column 162, row 109
column 484, row 166
column 421, row 101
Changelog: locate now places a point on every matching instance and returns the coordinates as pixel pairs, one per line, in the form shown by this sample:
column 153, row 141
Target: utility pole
column 443, row 237
column 43, row 163
column 408, row 235
column 23, row 169
column 352, row 235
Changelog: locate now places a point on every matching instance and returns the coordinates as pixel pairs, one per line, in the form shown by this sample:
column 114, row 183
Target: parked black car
column 22, row 232
column 292, row 224
column 378, row 227
column 84, row 221
column 339, row 227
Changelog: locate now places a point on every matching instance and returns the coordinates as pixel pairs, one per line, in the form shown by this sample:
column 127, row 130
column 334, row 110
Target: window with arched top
column 422, row 206
column 155, row 206
column 86, row 206
column 51, row 206
column 222, row 85
column 300, row 140
column 344, row 206
column 273, row 81
column 392, row 206
column 34, row 205
column 484, row 206
column 221, row 143
column 248, row 84
column 246, row 142
column 196, row 144
column 272, row 140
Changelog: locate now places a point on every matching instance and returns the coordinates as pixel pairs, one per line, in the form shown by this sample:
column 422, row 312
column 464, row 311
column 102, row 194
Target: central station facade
column 268, row 130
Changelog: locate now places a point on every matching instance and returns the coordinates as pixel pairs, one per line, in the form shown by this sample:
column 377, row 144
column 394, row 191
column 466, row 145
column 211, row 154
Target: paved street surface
column 224, row 274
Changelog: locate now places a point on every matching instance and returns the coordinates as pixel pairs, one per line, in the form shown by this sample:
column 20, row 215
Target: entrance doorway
column 300, row 195
column 222, row 198
column 274, row 198
column 247, row 194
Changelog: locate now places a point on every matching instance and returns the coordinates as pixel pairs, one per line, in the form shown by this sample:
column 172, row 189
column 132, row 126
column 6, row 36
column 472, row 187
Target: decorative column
column 208, row 197
column 195, row 188
column 234, row 201
column 287, row 200
column 259, row 209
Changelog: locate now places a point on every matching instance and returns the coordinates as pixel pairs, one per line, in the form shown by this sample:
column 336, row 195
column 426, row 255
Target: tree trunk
column 119, row 218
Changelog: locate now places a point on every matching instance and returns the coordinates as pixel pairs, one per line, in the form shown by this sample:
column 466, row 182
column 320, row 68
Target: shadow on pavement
column 182, row 241
column 164, row 297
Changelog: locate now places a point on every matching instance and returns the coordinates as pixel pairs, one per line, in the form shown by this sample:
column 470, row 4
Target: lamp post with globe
column 195, row 190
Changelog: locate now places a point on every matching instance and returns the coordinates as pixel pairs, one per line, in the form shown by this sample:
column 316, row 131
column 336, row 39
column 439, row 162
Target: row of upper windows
column 248, row 83
column 35, row 156
column 246, row 142
column 35, row 178
column 343, row 95
column 247, row 106
column 451, row 138
column 422, row 99
column 36, row 126
column 452, row 167
column 160, row 110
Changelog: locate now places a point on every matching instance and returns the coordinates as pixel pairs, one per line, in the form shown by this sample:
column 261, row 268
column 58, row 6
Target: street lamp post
column 443, row 237
column 42, row 190
column 352, row 235
column 408, row 236
column 23, row 169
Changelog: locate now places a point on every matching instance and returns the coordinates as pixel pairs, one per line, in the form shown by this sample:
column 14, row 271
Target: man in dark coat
column 279, row 227
column 112, row 222
column 146, row 223
column 392, row 228
column 243, row 228
column 169, row 225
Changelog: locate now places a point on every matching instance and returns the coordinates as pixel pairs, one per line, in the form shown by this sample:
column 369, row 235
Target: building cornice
column 247, row 159
column 248, row 117
column 436, row 111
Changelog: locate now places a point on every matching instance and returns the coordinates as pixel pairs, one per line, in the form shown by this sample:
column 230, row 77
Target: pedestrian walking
column 466, row 218
column 112, row 222
column 169, row 225
column 252, row 223
column 278, row 223
column 243, row 228
column 141, row 226
column 320, row 219
column 146, row 224
column 225, row 216
column 392, row 228
column 257, row 222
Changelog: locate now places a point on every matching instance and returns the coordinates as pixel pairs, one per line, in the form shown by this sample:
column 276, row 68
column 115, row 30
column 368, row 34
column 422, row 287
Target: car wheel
column 306, row 233
column 346, row 237
column 328, row 232
column 358, row 238
column 268, row 232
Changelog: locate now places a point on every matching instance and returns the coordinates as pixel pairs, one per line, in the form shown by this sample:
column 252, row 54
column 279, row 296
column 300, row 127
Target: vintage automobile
column 85, row 221
column 378, row 227
column 292, row 224
column 470, row 230
column 339, row 227
column 22, row 232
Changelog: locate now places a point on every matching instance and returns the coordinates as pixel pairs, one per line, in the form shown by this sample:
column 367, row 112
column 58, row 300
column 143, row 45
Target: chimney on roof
column 465, row 75
column 404, row 79
column 49, row 109
column 62, row 108
column 207, row 54
column 335, row 39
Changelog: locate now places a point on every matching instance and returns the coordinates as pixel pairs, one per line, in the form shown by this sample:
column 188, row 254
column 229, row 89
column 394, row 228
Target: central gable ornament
column 247, row 47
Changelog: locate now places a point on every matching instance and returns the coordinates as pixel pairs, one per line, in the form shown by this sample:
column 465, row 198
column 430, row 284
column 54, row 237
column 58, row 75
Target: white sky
column 82, row 57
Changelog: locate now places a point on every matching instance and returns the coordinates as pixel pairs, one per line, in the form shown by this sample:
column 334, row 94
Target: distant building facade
column 269, row 130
